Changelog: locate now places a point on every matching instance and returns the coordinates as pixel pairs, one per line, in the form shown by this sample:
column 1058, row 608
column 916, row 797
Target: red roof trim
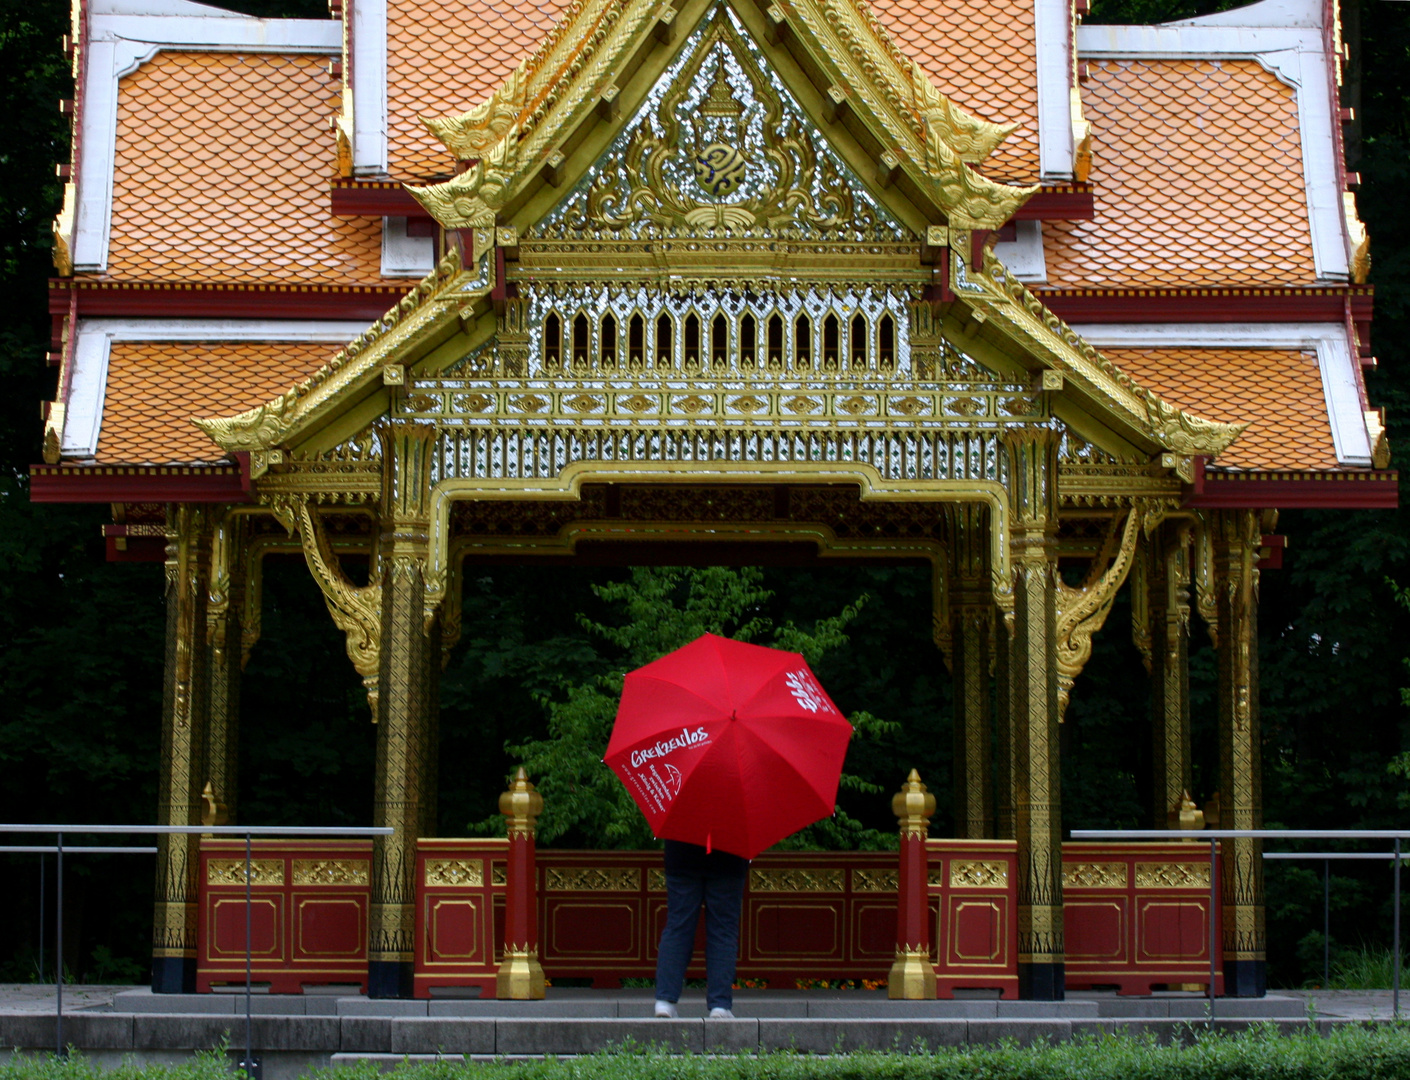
column 374, row 198
column 1060, row 202
column 1298, row 491
column 1271, row 304
column 138, row 483
column 378, row 198
column 196, row 299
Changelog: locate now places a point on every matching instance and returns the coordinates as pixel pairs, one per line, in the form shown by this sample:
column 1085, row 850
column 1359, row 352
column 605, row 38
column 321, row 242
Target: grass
column 1365, row 969
column 1362, row 1052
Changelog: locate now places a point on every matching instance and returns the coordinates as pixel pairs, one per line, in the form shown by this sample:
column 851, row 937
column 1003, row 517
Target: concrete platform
column 293, row 1033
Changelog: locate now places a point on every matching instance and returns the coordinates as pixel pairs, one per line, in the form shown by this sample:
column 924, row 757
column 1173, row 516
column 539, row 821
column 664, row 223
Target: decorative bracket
column 1083, row 610
column 356, row 610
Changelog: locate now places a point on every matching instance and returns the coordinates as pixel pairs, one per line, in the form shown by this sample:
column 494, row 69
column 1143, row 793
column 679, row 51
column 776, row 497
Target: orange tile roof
column 481, row 41
column 1198, row 170
column 1277, row 391
column 982, row 54
column 221, row 174
column 155, row 388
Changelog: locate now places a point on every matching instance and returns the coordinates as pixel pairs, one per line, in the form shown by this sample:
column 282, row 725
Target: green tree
column 656, row 610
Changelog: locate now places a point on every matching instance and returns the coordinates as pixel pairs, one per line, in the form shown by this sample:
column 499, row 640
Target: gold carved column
column 1003, row 727
column 1235, row 538
column 408, row 674
column 971, row 634
column 1033, row 729
column 1168, row 584
column 225, row 653
column 185, row 712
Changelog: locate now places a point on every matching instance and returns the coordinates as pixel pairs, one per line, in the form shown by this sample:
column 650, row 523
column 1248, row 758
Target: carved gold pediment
column 519, row 133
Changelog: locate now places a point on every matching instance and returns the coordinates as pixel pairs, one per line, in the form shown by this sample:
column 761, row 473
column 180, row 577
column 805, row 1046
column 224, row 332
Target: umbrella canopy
column 728, row 745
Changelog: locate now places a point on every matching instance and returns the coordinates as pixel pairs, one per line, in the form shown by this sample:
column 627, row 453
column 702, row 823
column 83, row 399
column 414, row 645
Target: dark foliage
column 81, row 639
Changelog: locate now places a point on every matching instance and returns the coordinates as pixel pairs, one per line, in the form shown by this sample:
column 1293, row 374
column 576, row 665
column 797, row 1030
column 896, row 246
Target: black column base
column 1245, row 978
column 1041, row 982
column 173, row 975
column 389, row 979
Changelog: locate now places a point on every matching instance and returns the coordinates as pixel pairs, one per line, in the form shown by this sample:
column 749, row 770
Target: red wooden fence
column 1136, row 915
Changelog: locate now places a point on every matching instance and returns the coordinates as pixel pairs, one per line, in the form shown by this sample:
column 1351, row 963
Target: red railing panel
column 972, row 889
column 308, row 913
column 1136, row 916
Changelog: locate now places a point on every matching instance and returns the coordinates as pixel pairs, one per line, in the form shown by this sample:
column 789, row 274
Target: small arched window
column 608, row 350
column 802, row 342
column 748, row 341
column 859, row 341
column 692, row 341
column 886, row 344
column 665, row 342
column 636, row 341
column 775, row 341
column 552, row 341
column 832, row 347
column 580, row 341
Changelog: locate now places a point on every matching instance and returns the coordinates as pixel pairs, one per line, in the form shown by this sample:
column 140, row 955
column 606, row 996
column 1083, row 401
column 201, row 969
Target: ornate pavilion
column 968, row 281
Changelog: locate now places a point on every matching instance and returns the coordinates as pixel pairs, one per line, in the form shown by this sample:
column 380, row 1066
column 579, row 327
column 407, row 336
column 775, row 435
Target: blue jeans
column 723, row 898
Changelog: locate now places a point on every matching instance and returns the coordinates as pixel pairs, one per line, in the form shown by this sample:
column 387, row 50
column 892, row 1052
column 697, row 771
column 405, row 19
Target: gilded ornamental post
column 407, row 681
column 912, row 975
column 1169, row 629
column 1034, row 711
column 1236, row 538
column 971, row 633
column 185, row 714
column 520, row 975
column 225, row 605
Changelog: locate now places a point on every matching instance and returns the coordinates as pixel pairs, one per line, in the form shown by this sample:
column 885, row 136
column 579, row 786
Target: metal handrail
column 248, row 832
column 1212, row 835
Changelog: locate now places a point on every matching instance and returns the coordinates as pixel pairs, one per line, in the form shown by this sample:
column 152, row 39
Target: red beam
column 153, row 299
column 1067, row 202
column 1207, row 305
column 1346, row 491
column 374, row 198
column 133, row 483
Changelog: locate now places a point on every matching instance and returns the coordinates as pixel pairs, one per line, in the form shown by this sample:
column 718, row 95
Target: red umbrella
column 728, row 745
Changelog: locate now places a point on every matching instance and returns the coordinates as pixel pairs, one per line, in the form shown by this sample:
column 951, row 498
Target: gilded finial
column 212, row 812
column 521, row 806
column 1184, row 815
column 913, row 806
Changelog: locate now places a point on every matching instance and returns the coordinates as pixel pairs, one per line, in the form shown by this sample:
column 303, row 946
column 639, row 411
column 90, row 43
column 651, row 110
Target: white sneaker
column 718, row 1013
column 666, row 1010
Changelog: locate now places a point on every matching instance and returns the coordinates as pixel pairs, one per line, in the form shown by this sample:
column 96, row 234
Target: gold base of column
column 520, row 976
column 912, row 976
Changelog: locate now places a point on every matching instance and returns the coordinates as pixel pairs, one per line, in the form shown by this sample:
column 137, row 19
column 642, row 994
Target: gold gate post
column 971, row 633
column 1033, row 688
column 520, row 975
column 912, row 975
column 185, row 713
column 407, row 678
column 1169, row 593
column 1236, row 540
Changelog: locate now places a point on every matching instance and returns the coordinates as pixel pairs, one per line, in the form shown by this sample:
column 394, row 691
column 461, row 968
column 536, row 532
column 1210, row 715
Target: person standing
column 696, row 876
